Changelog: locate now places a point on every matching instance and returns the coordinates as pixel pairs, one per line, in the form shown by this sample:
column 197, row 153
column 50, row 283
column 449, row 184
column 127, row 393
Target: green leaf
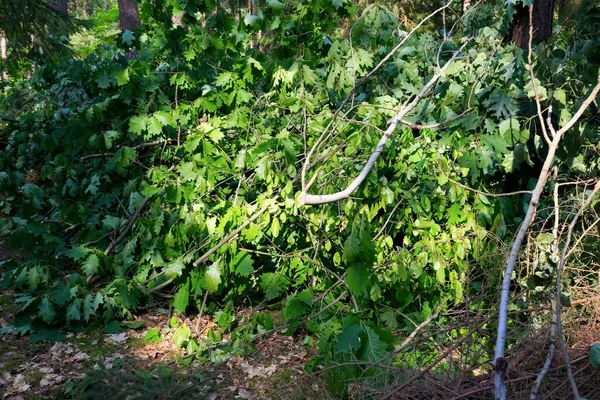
column 389, row 319
column 181, row 335
column 154, row 126
column 175, row 268
column 349, row 339
column 113, row 327
column 133, row 324
column 251, row 20
column 46, row 311
column 242, row 264
column 74, row 310
column 275, row 227
column 137, row 124
column 127, row 37
column 212, row 277
column 62, row 295
column 595, row 355
column 153, row 336
column 35, row 276
column 359, row 249
column 91, row 264
column 109, row 136
column 182, row 298
column 373, row 348
column 216, row 135
column 357, row 279
column 90, row 305
column 275, row 4
column 560, row 96
column 273, row 284
column 122, row 77
column 165, row 118
column 103, row 80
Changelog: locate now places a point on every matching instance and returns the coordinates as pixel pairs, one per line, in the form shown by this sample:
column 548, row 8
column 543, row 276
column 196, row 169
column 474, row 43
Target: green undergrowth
column 122, row 381
column 122, row 174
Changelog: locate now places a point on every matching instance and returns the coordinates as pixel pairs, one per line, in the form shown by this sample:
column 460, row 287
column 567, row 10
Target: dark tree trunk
column 543, row 15
column 59, row 6
column 129, row 17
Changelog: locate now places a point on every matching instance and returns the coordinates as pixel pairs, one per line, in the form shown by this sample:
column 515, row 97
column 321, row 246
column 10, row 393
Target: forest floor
column 122, row 365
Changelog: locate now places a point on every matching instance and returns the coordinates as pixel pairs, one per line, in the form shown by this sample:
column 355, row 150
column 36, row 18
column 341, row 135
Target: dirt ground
column 274, row 370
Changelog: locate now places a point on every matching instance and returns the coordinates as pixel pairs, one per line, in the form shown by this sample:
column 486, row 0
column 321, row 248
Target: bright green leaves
column 122, row 77
column 242, row 264
column 91, row 265
column 137, row 124
column 275, row 4
column 181, row 335
column 212, row 277
column 175, row 268
column 533, row 88
column 273, row 284
column 182, row 298
column 359, row 255
column 153, row 336
column 152, row 124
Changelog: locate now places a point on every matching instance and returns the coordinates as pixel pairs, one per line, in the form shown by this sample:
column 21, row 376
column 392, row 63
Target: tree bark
column 3, row 54
column 129, row 17
column 543, row 15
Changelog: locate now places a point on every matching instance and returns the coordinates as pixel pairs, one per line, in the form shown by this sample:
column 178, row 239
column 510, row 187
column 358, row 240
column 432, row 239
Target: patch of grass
column 34, row 376
column 124, row 382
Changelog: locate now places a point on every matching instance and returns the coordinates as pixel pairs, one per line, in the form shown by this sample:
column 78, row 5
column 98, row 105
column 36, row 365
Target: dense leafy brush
column 122, row 172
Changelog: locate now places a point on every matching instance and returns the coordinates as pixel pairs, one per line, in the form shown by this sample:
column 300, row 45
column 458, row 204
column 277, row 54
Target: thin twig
column 561, row 265
column 210, row 252
column 200, row 312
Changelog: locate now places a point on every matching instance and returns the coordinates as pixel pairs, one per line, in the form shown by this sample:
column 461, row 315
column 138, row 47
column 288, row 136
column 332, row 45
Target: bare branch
column 353, row 91
column 305, row 198
column 499, row 361
column 561, row 265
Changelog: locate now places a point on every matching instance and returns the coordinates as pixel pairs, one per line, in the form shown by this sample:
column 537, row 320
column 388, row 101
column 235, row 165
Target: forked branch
column 306, row 198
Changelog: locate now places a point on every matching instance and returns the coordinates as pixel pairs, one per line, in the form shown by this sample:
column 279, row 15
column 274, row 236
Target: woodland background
column 404, row 188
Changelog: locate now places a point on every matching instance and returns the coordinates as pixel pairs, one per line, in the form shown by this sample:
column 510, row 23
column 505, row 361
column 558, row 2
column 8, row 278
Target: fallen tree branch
column 435, row 362
column 437, row 125
column 139, row 146
column 210, row 252
column 305, row 198
column 355, row 88
column 132, row 219
column 499, row 361
column 561, row 265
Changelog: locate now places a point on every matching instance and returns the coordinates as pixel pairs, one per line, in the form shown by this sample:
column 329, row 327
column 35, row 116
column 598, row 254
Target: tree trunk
column 3, row 53
column 129, row 17
column 543, row 15
column 59, row 6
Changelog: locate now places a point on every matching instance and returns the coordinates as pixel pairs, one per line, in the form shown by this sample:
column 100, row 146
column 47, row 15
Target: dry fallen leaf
column 118, row 338
column 244, row 394
column 20, row 384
